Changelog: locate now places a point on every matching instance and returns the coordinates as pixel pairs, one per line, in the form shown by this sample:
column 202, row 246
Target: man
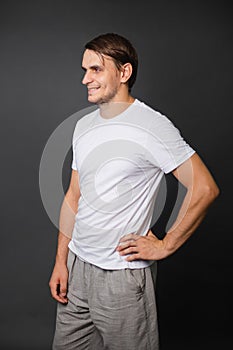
column 105, row 268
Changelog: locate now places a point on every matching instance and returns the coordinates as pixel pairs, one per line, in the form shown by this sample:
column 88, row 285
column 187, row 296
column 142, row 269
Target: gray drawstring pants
column 107, row 309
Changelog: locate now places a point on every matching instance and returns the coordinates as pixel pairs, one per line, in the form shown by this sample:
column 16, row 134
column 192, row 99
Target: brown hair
column 119, row 48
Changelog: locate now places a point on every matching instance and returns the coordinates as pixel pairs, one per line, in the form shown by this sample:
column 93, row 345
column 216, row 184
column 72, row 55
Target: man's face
column 102, row 78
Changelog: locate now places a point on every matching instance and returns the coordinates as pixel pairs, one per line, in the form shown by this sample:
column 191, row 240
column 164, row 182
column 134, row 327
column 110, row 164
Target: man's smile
column 93, row 89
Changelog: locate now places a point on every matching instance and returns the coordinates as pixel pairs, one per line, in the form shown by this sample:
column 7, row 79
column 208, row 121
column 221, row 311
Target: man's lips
column 93, row 88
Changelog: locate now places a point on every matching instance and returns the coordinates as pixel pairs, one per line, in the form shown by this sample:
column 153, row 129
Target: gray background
column 186, row 54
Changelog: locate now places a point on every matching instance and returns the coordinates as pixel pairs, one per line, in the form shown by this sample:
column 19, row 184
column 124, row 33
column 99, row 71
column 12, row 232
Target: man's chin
column 99, row 99
column 93, row 99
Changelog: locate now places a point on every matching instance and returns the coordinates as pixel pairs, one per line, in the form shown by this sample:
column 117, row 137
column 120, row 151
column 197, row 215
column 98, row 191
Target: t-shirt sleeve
column 74, row 143
column 73, row 165
column 167, row 147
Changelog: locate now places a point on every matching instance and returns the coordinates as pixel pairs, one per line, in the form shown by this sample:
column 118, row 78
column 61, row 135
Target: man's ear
column 126, row 72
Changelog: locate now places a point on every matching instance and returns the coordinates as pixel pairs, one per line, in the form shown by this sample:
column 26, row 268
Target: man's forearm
column 62, row 248
column 192, row 212
column 59, row 279
column 66, row 224
column 201, row 192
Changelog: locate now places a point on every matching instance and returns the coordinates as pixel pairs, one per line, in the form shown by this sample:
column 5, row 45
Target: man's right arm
column 69, row 208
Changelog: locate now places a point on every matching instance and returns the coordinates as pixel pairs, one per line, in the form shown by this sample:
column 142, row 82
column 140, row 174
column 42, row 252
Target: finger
column 129, row 250
column 62, row 300
column 150, row 234
column 63, row 288
column 129, row 236
column 127, row 244
column 53, row 289
column 133, row 257
column 54, row 292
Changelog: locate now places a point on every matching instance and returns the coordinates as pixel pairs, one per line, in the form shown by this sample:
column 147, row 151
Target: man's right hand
column 58, row 282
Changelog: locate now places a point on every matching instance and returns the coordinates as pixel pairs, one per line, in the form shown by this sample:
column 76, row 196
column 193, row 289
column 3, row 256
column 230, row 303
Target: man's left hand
column 147, row 247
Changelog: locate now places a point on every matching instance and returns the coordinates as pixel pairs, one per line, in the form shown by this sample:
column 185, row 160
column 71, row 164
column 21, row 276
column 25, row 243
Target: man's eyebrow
column 95, row 66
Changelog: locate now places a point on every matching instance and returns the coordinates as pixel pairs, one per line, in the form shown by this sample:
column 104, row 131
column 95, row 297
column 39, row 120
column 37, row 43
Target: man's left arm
column 201, row 192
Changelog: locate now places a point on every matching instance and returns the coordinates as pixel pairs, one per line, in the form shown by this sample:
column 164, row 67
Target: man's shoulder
column 149, row 115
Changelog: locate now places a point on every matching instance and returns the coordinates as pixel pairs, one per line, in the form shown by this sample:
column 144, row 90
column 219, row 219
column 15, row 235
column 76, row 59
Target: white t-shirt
column 121, row 162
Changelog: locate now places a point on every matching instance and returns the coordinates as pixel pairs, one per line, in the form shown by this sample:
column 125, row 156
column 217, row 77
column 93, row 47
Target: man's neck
column 113, row 108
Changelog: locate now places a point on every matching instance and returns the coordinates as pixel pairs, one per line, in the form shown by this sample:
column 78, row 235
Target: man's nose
column 87, row 78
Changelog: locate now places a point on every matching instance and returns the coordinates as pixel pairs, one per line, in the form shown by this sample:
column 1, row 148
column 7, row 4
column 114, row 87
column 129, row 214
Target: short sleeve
column 167, row 147
column 73, row 165
column 74, row 142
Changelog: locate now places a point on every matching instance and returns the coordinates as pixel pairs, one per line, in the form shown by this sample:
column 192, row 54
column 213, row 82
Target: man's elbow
column 211, row 192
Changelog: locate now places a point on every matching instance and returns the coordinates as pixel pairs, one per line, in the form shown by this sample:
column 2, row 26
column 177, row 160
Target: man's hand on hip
column 147, row 247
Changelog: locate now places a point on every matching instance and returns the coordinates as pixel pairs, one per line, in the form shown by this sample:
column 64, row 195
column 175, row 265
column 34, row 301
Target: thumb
column 150, row 234
column 63, row 287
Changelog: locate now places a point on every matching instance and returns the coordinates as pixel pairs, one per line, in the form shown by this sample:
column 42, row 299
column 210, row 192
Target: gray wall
column 186, row 55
